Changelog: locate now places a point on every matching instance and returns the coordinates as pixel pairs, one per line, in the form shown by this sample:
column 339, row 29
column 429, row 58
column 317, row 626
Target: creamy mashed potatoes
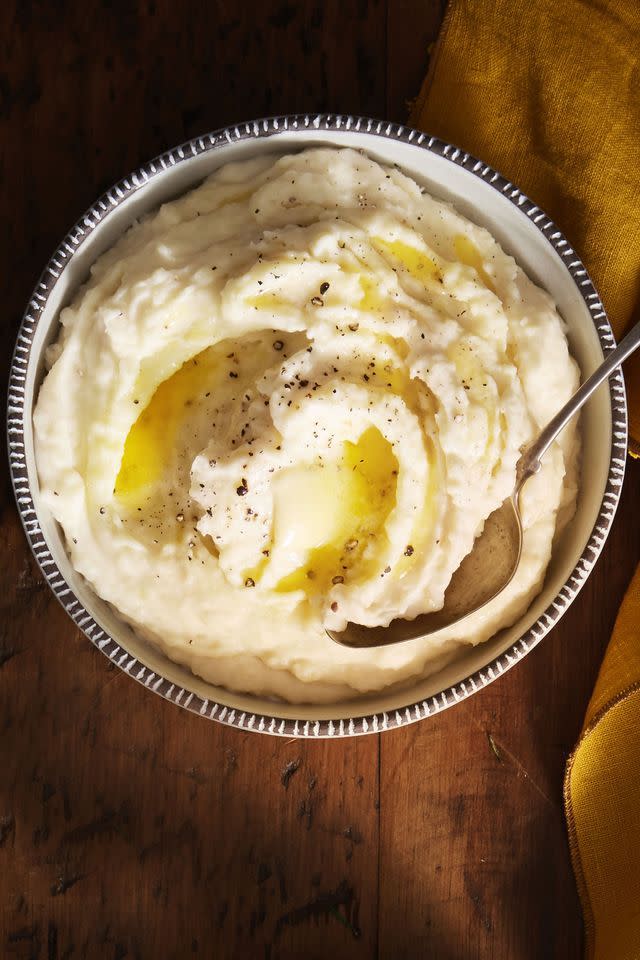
column 289, row 400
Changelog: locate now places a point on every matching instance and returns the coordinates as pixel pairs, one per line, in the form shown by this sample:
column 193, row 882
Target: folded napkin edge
column 574, row 844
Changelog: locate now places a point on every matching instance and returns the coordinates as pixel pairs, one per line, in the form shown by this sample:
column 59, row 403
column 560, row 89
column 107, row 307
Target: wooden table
column 132, row 829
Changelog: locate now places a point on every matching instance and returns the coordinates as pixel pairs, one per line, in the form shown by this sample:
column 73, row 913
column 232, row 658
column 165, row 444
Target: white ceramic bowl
column 486, row 198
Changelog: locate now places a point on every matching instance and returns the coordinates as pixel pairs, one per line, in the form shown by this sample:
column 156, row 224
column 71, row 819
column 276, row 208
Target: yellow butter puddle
column 469, row 254
column 417, row 263
column 350, row 500
column 371, row 301
column 151, row 439
column 267, row 301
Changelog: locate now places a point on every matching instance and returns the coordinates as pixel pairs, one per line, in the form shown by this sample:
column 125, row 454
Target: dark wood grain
column 131, row 829
column 412, row 30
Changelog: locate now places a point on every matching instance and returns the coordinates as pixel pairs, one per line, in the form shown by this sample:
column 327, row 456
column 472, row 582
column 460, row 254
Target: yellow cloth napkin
column 602, row 796
column 548, row 92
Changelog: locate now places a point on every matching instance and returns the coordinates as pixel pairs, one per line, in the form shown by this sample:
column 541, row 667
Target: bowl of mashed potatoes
column 274, row 382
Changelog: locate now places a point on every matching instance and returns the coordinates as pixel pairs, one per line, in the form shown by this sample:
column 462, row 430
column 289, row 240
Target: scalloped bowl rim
column 343, row 719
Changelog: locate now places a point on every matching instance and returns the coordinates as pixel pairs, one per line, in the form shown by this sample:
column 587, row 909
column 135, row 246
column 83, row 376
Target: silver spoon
column 490, row 566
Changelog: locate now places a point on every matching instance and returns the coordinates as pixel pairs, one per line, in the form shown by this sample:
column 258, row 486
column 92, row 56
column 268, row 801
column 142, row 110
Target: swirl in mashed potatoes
column 289, row 400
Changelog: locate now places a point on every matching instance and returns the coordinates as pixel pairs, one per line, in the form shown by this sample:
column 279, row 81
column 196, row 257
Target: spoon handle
column 529, row 462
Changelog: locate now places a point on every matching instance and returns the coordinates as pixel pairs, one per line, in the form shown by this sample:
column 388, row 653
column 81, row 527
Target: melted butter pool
column 152, row 439
column 469, row 254
column 329, row 520
column 417, row 263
